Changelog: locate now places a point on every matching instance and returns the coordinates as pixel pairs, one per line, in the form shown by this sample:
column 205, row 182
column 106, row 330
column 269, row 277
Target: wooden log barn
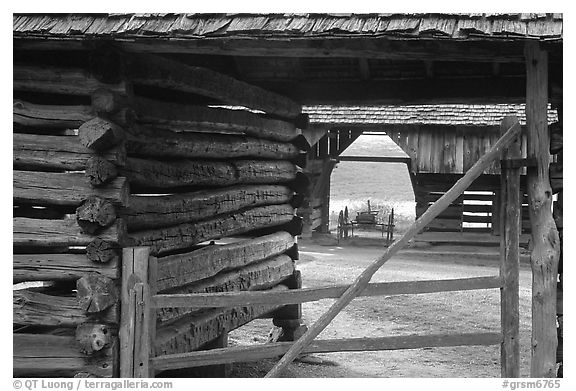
column 440, row 144
column 160, row 160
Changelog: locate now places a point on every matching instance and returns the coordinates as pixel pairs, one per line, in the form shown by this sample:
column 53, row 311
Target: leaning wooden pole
column 364, row 278
column 545, row 240
column 510, row 223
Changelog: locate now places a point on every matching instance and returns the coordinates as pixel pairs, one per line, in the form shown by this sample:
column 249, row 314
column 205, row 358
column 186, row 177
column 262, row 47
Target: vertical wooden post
column 545, row 240
column 497, row 209
column 153, row 284
column 510, row 205
column 135, row 315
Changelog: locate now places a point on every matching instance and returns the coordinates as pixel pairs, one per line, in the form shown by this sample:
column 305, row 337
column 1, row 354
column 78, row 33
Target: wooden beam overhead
column 482, row 90
column 364, row 68
column 368, row 47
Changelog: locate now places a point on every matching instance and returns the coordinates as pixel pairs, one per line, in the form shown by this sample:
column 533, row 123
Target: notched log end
column 100, row 171
column 92, row 337
column 101, row 251
column 94, row 214
column 95, row 293
column 100, row 134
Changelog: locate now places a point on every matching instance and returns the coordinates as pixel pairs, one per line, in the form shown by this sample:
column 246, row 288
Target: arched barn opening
column 170, row 169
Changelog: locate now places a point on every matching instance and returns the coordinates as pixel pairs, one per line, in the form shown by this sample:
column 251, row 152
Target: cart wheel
column 346, row 222
column 340, row 225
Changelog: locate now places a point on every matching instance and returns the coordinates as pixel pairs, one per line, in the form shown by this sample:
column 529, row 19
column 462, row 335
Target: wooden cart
column 366, row 220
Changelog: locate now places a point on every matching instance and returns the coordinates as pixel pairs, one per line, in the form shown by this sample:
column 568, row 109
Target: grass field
column 386, row 185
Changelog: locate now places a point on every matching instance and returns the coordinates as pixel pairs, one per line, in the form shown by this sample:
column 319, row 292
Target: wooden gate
column 139, row 300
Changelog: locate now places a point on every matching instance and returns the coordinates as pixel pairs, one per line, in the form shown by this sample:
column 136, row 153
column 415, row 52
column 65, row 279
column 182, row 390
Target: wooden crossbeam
column 294, row 296
column 376, row 159
column 364, row 278
column 162, row 72
column 255, row 353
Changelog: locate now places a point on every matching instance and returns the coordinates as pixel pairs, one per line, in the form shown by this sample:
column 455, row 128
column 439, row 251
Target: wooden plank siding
column 444, row 149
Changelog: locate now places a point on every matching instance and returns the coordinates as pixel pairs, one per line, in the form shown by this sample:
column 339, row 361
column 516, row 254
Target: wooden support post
column 135, row 318
column 545, row 240
column 497, row 208
column 364, row 278
column 510, row 205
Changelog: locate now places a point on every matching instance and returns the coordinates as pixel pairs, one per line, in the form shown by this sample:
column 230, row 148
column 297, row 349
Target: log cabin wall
column 109, row 153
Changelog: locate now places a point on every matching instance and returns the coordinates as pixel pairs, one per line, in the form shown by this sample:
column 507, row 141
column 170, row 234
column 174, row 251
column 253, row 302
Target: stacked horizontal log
column 122, row 167
column 213, row 193
column 67, row 230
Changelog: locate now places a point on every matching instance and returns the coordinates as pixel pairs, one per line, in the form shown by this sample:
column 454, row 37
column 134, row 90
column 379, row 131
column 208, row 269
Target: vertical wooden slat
column 153, row 283
column 459, row 153
column 134, row 330
column 510, row 206
column 545, row 240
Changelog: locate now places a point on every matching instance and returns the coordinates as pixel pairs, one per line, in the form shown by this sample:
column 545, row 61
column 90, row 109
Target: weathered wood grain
column 38, row 309
column 185, row 235
column 510, row 228
column 194, row 330
column 545, row 240
column 42, row 152
column 136, row 313
column 50, row 116
column 100, row 134
column 181, row 269
column 63, row 189
column 58, row 267
column 93, row 337
column 153, row 174
column 162, row 72
column 184, row 118
column 256, row 276
column 100, row 171
column 42, row 355
column 159, row 143
column 69, row 81
column 294, row 296
column 96, row 293
column 144, row 212
column 94, row 214
column 54, row 233
column 237, row 354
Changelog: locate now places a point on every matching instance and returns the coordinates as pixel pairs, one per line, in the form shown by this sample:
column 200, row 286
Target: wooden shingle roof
column 546, row 26
column 448, row 114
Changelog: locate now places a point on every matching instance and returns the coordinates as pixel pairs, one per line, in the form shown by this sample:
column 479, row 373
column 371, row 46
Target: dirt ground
column 453, row 312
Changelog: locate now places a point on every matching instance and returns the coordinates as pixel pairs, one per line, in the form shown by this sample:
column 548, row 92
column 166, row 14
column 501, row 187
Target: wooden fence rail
column 139, row 299
column 363, row 279
column 295, row 296
column 271, row 350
